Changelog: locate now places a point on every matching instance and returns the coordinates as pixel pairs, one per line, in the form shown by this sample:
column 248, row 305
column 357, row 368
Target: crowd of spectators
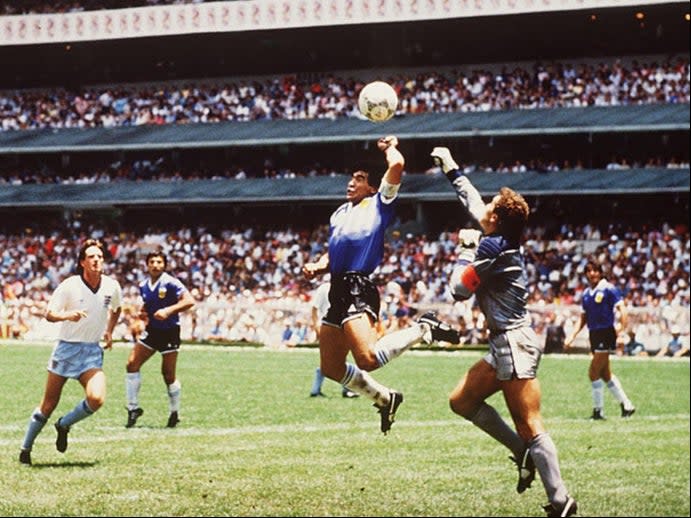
column 161, row 169
column 329, row 96
column 249, row 286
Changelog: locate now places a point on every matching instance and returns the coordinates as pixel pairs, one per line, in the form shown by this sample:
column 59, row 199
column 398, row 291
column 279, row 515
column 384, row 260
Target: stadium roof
column 415, row 188
column 663, row 117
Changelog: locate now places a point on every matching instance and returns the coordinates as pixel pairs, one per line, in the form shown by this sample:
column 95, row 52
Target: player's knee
column 47, row 408
column 95, row 401
column 458, row 407
column 367, row 362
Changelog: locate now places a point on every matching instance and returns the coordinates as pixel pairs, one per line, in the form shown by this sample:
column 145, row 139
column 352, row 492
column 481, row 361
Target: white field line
column 190, row 348
column 108, row 434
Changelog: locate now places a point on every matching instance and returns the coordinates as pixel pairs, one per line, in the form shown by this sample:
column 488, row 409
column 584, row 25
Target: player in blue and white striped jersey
column 491, row 268
column 356, row 247
column 601, row 302
column 164, row 298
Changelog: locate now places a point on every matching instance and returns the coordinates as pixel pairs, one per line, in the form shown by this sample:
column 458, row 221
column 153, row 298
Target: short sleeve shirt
column 74, row 293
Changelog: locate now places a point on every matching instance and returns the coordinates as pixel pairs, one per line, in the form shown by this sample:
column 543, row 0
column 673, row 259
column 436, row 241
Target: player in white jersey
column 320, row 305
column 88, row 305
column 356, row 247
column 492, row 269
column 164, row 297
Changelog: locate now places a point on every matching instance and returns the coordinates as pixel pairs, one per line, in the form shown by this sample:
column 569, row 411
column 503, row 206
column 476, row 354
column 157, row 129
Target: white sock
column 133, row 380
column 174, row 390
column 361, row 382
column 598, row 387
column 394, row 344
column 618, row 392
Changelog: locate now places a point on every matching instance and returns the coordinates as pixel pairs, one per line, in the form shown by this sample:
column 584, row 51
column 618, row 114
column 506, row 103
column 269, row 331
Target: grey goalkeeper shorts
column 515, row 353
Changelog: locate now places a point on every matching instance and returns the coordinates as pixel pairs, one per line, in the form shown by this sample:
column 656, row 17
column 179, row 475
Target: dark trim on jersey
column 454, row 174
column 93, row 290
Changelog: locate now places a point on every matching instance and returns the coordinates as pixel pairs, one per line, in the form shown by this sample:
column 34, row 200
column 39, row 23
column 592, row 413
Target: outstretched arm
column 467, row 194
column 394, row 160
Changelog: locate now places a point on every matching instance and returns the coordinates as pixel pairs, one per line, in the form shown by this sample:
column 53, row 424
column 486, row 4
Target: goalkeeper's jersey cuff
column 453, row 174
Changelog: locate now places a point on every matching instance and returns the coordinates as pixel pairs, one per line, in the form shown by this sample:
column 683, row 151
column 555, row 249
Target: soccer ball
column 378, row 101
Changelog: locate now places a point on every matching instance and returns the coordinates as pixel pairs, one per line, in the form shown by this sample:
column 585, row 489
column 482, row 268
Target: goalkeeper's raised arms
column 466, row 191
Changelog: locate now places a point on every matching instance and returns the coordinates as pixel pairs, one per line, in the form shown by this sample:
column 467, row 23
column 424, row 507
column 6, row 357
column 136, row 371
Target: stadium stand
column 659, row 80
column 224, row 234
column 235, row 269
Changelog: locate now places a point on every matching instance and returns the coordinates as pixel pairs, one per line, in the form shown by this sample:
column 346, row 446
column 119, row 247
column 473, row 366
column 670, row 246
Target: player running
column 88, row 307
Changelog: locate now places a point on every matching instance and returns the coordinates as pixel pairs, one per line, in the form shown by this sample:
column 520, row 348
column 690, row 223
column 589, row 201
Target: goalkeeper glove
column 442, row 158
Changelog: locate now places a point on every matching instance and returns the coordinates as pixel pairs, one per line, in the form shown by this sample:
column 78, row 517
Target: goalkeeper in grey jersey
column 491, row 267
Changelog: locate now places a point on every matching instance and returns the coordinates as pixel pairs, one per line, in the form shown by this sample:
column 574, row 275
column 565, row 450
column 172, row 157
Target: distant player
column 88, row 306
column 164, row 298
column 491, row 268
column 356, row 248
column 601, row 302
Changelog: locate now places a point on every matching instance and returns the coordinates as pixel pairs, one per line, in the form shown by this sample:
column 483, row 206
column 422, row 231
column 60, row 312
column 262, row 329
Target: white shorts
column 515, row 353
column 72, row 359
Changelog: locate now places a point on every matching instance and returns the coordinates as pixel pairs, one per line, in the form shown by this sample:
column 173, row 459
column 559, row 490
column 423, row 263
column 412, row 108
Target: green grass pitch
column 252, row 443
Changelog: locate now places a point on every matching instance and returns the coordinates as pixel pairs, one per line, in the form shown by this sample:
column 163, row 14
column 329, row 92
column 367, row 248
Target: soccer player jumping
column 491, row 267
column 356, row 248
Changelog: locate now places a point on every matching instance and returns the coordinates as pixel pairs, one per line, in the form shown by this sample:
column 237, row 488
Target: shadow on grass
column 82, row 464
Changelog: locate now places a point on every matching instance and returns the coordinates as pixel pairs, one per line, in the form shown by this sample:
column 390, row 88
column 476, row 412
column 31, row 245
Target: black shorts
column 603, row 340
column 351, row 295
column 161, row 340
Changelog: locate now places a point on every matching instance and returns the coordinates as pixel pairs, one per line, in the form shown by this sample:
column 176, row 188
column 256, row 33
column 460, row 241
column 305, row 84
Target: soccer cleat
column 132, row 416
column 440, row 331
column 173, row 420
column 317, row 394
column 627, row 412
column 598, row 415
column 388, row 411
column 526, row 471
column 61, row 440
column 350, row 394
column 568, row 508
column 25, row 457
column 442, row 158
